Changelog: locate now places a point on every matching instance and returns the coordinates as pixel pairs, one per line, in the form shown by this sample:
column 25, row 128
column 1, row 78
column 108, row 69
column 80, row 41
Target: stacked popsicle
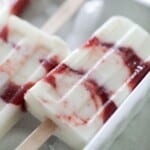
column 81, row 93
column 26, row 55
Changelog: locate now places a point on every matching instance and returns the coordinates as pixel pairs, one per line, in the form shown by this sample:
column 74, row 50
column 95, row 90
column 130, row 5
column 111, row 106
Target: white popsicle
column 27, row 54
column 80, row 111
column 73, row 68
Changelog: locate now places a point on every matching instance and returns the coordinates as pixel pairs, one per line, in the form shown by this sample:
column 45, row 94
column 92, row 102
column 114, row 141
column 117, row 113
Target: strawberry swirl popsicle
column 15, row 7
column 27, row 54
column 75, row 66
column 79, row 96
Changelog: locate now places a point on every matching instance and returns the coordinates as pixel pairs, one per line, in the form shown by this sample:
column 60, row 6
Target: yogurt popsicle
column 26, row 55
column 82, row 110
column 75, row 66
column 42, row 52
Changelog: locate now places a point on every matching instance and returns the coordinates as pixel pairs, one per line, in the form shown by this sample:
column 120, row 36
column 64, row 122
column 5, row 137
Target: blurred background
column 92, row 14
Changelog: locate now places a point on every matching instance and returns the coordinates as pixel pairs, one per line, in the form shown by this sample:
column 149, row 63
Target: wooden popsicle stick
column 64, row 13
column 40, row 135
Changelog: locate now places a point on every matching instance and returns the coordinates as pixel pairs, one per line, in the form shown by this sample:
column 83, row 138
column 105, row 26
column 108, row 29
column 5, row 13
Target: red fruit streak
column 137, row 67
column 18, row 6
column 50, row 78
column 65, row 68
column 108, row 110
column 130, row 58
column 4, row 34
column 94, row 41
column 49, row 64
column 97, row 91
column 138, row 75
column 18, row 98
column 9, row 91
column 73, row 118
column 14, row 94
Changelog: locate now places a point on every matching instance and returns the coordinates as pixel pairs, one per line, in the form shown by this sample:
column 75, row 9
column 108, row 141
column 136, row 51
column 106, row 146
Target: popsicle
column 26, row 58
column 23, row 54
column 15, row 7
column 79, row 97
column 75, row 66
